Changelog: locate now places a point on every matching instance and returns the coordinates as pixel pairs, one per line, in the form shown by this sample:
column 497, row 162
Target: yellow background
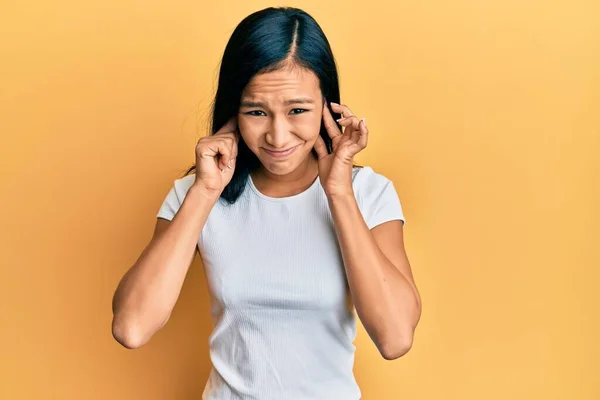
column 485, row 114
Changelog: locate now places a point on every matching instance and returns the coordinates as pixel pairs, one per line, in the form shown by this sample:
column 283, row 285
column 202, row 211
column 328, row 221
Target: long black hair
column 265, row 41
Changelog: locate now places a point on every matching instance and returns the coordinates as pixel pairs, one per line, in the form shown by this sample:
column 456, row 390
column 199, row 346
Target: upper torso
column 282, row 324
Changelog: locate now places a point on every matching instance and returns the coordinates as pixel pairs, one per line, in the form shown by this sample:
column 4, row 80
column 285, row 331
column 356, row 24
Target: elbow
column 131, row 334
column 128, row 334
column 396, row 348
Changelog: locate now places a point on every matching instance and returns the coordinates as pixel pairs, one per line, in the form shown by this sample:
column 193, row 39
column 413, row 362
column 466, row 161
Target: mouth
column 280, row 154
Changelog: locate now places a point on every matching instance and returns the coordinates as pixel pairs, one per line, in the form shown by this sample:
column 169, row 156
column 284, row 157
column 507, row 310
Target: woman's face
column 281, row 110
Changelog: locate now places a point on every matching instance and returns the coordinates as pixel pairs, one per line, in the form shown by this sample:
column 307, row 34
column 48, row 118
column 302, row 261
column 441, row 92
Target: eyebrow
column 299, row 100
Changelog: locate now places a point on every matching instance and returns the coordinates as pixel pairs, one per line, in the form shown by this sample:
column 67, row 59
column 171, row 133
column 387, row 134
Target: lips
column 281, row 153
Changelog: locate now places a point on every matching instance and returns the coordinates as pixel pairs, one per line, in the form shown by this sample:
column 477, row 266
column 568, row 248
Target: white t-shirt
column 282, row 328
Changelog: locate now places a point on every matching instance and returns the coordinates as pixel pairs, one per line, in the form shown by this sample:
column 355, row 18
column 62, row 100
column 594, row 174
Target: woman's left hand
column 335, row 169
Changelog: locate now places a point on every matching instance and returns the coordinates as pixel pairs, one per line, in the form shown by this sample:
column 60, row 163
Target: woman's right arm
column 147, row 293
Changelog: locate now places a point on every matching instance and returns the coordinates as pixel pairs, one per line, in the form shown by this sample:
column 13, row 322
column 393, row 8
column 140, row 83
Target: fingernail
column 336, row 104
column 230, row 164
column 365, row 121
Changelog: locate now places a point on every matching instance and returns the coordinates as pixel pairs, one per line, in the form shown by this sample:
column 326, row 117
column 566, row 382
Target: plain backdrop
column 485, row 114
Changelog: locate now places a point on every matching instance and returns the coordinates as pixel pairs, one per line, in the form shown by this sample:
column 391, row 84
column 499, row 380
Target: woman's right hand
column 215, row 158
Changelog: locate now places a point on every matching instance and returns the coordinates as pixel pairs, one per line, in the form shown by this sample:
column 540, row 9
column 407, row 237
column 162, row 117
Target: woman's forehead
column 297, row 83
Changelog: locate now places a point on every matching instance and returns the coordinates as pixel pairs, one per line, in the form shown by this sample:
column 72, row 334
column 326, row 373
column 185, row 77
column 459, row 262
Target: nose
column 278, row 135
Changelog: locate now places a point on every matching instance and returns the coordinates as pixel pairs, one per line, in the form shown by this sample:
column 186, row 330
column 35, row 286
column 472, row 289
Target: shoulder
column 376, row 196
column 175, row 196
column 181, row 186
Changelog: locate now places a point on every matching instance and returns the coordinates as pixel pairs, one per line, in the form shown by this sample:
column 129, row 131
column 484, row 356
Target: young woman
column 295, row 239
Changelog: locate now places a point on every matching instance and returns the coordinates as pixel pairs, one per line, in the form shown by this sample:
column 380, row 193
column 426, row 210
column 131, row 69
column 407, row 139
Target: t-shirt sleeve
column 175, row 197
column 378, row 199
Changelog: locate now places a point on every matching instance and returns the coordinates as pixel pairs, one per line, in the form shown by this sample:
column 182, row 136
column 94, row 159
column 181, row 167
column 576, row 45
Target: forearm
column 148, row 292
column 385, row 301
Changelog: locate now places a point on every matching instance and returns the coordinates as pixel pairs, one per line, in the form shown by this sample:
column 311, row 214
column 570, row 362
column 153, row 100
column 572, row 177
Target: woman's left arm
column 379, row 275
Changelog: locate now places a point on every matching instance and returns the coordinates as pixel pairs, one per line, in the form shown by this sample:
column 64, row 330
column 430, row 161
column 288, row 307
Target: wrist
column 204, row 193
column 340, row 195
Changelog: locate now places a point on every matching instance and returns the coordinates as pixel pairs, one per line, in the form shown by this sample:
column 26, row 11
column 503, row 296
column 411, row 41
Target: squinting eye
column 254, row 111
column 299, row 109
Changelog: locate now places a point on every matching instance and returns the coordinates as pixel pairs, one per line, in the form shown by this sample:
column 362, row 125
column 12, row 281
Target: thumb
column 320, row 147
column 230, row 167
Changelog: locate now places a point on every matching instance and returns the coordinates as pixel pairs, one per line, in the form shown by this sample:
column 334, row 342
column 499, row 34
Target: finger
column 230, row 142
column 355, row 132
column 352, row 128
column 347, row 121
column 342, row 109
column 214, row 149
column 320, row 147
column 223, row 151
column 230, row 165
column 364, row 134
column 332, row 128
column 227, row 159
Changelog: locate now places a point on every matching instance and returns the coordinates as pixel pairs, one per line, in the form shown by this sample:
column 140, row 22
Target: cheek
column 308, row 126
column 249, row 128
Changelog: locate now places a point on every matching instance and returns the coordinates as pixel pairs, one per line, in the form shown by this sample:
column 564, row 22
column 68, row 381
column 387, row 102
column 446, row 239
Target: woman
column 291, row 233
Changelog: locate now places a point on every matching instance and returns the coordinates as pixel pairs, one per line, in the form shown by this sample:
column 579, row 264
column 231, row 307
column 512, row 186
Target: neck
column 297, row 180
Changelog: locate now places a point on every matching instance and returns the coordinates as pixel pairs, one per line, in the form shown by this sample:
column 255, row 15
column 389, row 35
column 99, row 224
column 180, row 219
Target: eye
column 299, row 109
column 254, row 111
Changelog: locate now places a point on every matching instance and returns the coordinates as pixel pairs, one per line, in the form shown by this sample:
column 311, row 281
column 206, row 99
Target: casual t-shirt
column 282, row 327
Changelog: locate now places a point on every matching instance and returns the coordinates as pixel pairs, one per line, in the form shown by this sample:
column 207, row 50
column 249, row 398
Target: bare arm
column 380, row 278
column 147, row 293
